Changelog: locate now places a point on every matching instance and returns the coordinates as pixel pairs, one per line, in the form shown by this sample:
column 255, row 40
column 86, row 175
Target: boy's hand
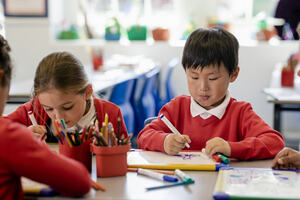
column 217, row 145
column 287, row 158
column 173, row 143
column 38, row 131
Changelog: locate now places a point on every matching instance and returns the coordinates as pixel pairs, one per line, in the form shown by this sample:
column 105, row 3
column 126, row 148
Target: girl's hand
column 38, row 131
column 173, row 143
column 217, row 145
column 287, row 158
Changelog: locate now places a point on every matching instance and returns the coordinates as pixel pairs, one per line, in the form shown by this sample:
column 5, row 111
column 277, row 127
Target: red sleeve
column 257, row 140
column 20, row 115
column 26, row 156
column 153, row 135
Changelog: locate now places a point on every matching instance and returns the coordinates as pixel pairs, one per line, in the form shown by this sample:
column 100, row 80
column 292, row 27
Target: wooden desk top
column 132, row 186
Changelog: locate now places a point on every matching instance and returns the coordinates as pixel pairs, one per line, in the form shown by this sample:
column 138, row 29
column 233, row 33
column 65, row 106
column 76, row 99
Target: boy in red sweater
column 21, row 154
column 210, row 118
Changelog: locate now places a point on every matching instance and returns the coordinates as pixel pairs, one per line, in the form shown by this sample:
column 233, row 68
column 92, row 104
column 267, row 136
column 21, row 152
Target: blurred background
column 156, row 29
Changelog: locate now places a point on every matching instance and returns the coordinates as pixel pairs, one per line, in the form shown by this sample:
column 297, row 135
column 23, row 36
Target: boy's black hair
column 209, row 47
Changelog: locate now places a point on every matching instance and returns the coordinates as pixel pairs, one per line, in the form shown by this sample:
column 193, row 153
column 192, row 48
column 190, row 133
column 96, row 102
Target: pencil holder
column 111, row 161
column 80, row 153
column 287, row 78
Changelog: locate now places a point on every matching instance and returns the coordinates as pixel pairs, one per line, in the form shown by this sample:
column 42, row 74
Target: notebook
column 256, row 183
column 184, row 160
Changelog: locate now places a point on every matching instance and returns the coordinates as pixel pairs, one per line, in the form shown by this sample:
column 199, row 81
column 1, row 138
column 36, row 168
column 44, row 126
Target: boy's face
column 68, row 106
column 208, row 85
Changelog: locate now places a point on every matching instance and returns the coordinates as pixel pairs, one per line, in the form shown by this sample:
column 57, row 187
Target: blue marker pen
column 156, row 175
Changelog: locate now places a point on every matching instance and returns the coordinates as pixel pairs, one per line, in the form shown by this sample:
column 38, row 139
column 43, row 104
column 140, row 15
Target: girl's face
column 68, row 106
column 208, row 86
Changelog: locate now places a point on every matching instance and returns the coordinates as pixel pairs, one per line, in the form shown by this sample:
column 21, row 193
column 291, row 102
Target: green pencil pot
column 137, row 32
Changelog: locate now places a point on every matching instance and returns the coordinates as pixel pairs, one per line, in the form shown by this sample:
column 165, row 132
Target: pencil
column 97, row 186
column 171, row 127
column 118, row 130
column 159, row 171
column 169, row 185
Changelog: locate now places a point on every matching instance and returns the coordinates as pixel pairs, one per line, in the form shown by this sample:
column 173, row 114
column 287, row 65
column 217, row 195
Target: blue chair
column 168, row 88
column 144, row 102
column 120, row 96
column 149, row 120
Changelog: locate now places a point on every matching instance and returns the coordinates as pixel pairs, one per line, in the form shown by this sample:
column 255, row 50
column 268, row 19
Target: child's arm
column 38, row 130
column 287, row 158
column 26, row 156
column 217, row 145
column 256, row 139
column 173, row 143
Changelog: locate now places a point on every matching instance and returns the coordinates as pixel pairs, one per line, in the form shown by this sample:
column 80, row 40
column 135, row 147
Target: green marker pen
column 224, row 159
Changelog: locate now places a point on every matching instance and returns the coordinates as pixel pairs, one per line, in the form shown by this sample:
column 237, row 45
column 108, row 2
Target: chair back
column 121, row 97
column 146, row 103
column 167, row 92
column 169, row 88
column 149, row 120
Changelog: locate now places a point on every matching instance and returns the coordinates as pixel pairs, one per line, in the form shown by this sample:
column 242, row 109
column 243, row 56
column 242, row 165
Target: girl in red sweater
column 62, row 91
column 21, row 154
column 210, row 118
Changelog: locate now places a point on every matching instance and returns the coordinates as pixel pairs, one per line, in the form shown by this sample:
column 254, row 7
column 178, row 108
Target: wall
column 29, row 40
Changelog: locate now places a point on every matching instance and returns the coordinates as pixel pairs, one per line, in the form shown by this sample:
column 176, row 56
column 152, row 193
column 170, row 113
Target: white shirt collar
column 89, row 117
column 218, row 111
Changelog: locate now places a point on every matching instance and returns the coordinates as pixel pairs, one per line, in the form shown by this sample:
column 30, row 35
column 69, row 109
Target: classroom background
column 130, row 28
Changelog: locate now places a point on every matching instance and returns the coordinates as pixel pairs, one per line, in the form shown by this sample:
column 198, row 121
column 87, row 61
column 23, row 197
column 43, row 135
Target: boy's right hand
column 287, row 158
column 38, row 131
column 173, row 143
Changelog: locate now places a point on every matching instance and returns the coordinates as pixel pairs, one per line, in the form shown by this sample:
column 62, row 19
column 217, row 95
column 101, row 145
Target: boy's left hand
column 217, row 145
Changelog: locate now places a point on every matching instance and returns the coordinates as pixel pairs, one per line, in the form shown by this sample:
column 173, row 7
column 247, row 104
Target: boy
column 210, row 118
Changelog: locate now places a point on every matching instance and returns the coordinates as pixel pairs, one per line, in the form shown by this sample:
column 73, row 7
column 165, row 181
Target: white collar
column 89, row 117
column 218, row 111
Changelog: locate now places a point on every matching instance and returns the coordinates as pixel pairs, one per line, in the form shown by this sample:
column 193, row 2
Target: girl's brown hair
column 61, row 71
column 5, row 62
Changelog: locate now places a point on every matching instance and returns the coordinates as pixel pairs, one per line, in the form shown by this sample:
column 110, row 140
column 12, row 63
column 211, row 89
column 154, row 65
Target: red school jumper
column 247, row 134
column 21, row 114
column 23, row 155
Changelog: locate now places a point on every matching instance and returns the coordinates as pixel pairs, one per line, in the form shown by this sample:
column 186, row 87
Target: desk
column 116, row 70
column 132, row 186
column 284, row 99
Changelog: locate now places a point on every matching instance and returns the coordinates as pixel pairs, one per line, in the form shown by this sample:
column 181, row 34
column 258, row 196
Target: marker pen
column 34, row 123
column 216, row 158
column 184, row 177
column 223, row 158
column 32, row 119
column 156, row 175
column 171, row 127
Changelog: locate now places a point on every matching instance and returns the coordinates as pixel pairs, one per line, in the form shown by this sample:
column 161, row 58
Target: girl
column 21, row 154
column 62, row 91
